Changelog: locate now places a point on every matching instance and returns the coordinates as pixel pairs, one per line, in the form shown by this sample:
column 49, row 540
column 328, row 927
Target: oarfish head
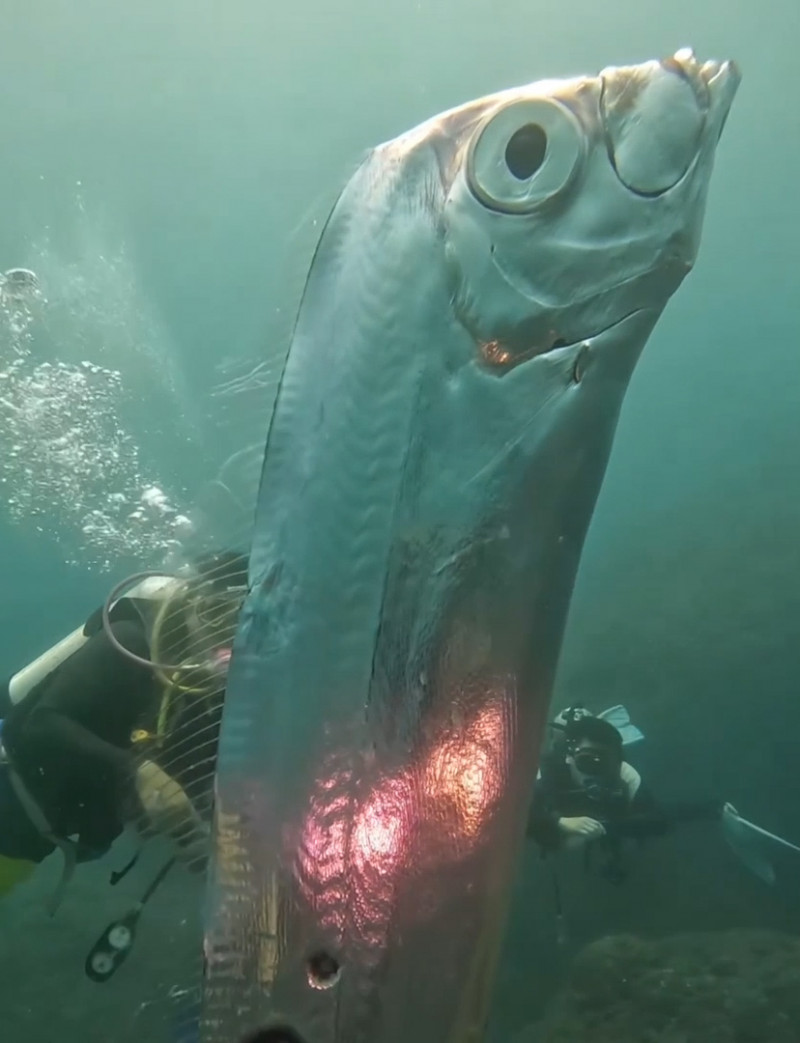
column 574, row 205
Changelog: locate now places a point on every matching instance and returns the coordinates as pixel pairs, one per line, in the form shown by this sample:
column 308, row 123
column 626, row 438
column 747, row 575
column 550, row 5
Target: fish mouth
column 710, row 74
column 661, row 119
column 715, row 82
column 499, row 359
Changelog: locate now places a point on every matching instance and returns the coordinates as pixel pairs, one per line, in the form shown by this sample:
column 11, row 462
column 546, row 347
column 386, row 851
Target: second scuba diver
column 588, row 796
column 587, row 792
column 118, row 724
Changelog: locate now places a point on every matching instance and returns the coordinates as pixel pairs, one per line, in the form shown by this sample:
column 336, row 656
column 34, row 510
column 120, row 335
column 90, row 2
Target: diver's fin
column 67, row 847
column 751, row 843
column 619, row 717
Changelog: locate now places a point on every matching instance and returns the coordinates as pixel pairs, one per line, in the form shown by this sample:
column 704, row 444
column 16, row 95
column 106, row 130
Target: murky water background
column 164, row 169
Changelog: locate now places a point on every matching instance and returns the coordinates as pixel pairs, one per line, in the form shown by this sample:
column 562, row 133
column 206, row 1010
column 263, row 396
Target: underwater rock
column 722, row 987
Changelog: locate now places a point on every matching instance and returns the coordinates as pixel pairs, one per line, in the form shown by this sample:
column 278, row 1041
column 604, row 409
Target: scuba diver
column 118, row 723
column 587, row 792
column 587, row 796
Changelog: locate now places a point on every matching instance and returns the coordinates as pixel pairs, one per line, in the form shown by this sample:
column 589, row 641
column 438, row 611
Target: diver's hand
column 580, row 830
column 168, row 811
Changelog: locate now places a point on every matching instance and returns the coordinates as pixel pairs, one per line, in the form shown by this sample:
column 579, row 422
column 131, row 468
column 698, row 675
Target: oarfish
column 474, row 310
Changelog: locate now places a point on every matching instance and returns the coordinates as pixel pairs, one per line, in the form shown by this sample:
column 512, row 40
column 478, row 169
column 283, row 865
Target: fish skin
column 438, row 442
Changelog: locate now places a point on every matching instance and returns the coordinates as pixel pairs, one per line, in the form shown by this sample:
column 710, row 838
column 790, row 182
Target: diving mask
column 597, row 771
column 594, row 763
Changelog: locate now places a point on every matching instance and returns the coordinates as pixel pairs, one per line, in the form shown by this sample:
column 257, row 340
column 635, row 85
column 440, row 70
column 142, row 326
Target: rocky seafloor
column 722, row 987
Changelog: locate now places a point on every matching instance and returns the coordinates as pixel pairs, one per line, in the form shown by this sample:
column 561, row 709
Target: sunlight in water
column 429, row 814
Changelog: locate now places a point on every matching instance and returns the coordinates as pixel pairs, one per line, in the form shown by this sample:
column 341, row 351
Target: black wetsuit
column 557, row 796
column 638, row 817
column 70, row 741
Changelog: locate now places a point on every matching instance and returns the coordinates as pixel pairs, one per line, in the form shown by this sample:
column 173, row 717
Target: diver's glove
column 168, row 811
column 576, row 832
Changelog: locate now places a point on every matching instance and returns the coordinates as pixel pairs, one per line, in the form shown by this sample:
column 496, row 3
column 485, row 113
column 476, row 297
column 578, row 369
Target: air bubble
column 89, row 401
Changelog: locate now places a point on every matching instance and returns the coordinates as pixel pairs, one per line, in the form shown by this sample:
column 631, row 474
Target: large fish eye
column 524, row 154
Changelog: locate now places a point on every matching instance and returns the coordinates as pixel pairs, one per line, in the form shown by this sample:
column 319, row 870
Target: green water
column 199, row 142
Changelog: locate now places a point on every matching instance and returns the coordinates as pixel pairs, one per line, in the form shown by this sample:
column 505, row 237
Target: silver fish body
column 476, row 305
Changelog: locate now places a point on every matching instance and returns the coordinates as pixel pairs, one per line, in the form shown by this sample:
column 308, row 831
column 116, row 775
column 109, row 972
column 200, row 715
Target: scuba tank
column 145, row 597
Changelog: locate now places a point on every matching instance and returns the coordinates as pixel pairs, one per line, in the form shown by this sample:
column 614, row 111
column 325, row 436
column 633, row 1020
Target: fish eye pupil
column 526, row 150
